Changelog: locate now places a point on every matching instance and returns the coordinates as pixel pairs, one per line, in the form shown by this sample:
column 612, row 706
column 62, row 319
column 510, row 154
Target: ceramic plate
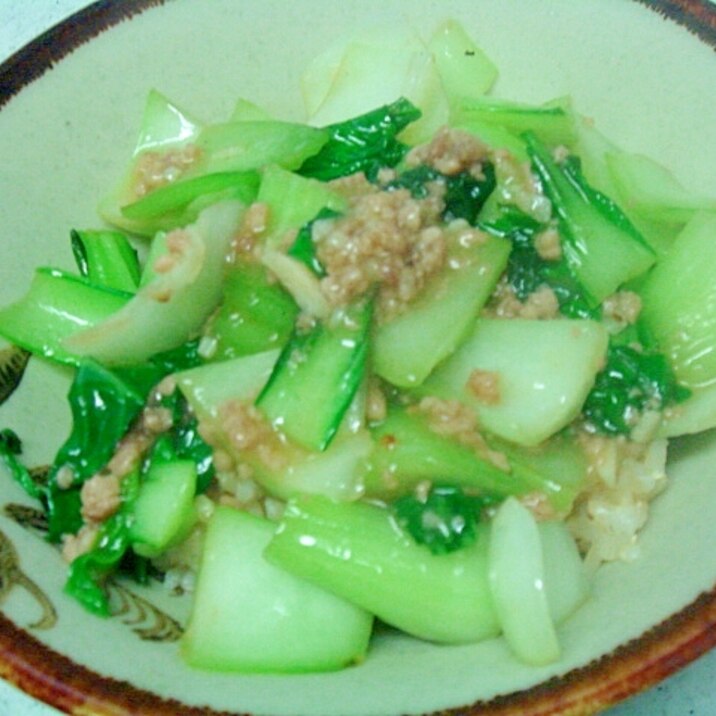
column 70, row 104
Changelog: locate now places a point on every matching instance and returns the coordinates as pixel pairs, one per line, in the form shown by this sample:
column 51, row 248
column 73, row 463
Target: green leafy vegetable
column 303, row 247
column 610, row 210
column 103, row 407
column 631, row 382
column 553, row 122
column 145, row 376
column 182, row 357
column 87, row 575
column 465, row 194
column 255, row 315
column 56, row 304
column 183, row 441
column 444, row 520
column 10, row 450
column 106, row 258
column 527, row 270
column 179, row 195
column 365, row 143
column 88, row 572
column 600, row 245
column 317, row 376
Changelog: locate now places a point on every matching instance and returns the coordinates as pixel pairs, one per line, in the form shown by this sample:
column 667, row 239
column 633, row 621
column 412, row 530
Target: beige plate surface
column 649, row 84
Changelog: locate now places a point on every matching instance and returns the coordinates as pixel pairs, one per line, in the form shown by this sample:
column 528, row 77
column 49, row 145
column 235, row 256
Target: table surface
column 688, row 693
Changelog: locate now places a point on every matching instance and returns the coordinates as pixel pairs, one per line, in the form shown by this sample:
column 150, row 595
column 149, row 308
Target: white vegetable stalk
column 517, row 582
column 172, row 307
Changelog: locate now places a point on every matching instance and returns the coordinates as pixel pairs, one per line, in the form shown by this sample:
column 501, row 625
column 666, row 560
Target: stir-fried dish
column 416, row 366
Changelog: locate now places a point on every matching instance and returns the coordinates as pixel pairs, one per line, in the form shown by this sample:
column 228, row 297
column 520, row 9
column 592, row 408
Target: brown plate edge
column 41, row 54
column 57, row 680
column 697, row 16
column 677, row 641
column 631, row 668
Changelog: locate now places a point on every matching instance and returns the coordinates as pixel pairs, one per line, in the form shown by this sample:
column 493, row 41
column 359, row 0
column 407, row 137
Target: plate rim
column 631, row 668
column 45, row 674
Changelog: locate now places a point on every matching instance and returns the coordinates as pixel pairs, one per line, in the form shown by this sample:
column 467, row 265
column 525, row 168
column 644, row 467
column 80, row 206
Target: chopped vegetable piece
column 292, row 201
column 407, row 453
column 210, row 386
column 252, row 616
column 55, row 306
column 566, row 583
column 444, row 520
column 354, row 550
column 166, row 134
column 364, row 144
column 180, row 202
column 107, row 259
column 348, row 80
column 558, row 466
column 408, row 347
column 651, row 190
column 554, row 125
column 517, row 584
column 255, row 315
column 679, row 303
column 631, row 382
column 696, row 414
column 164, row 124
column 163, row 511
column 525, row 379
column 334, row 473
column 601, row 246
column 316, row 377
column 103, row 407
column 464, row 69
column 167, row 311
column 245, row 146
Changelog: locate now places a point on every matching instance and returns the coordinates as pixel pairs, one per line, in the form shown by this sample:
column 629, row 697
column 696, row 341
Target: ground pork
column 485, row 386
column 254, row 223
column 389, row 240
column 156, row 169
column 248, row 433
column 622, row 309
column 100, row 497
column 100, row 494
column 78, row 544
column 548, row 245
column 177, row 243
column 541, row 304
column 376, row 405
column 454, row 419
column 451, row 151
